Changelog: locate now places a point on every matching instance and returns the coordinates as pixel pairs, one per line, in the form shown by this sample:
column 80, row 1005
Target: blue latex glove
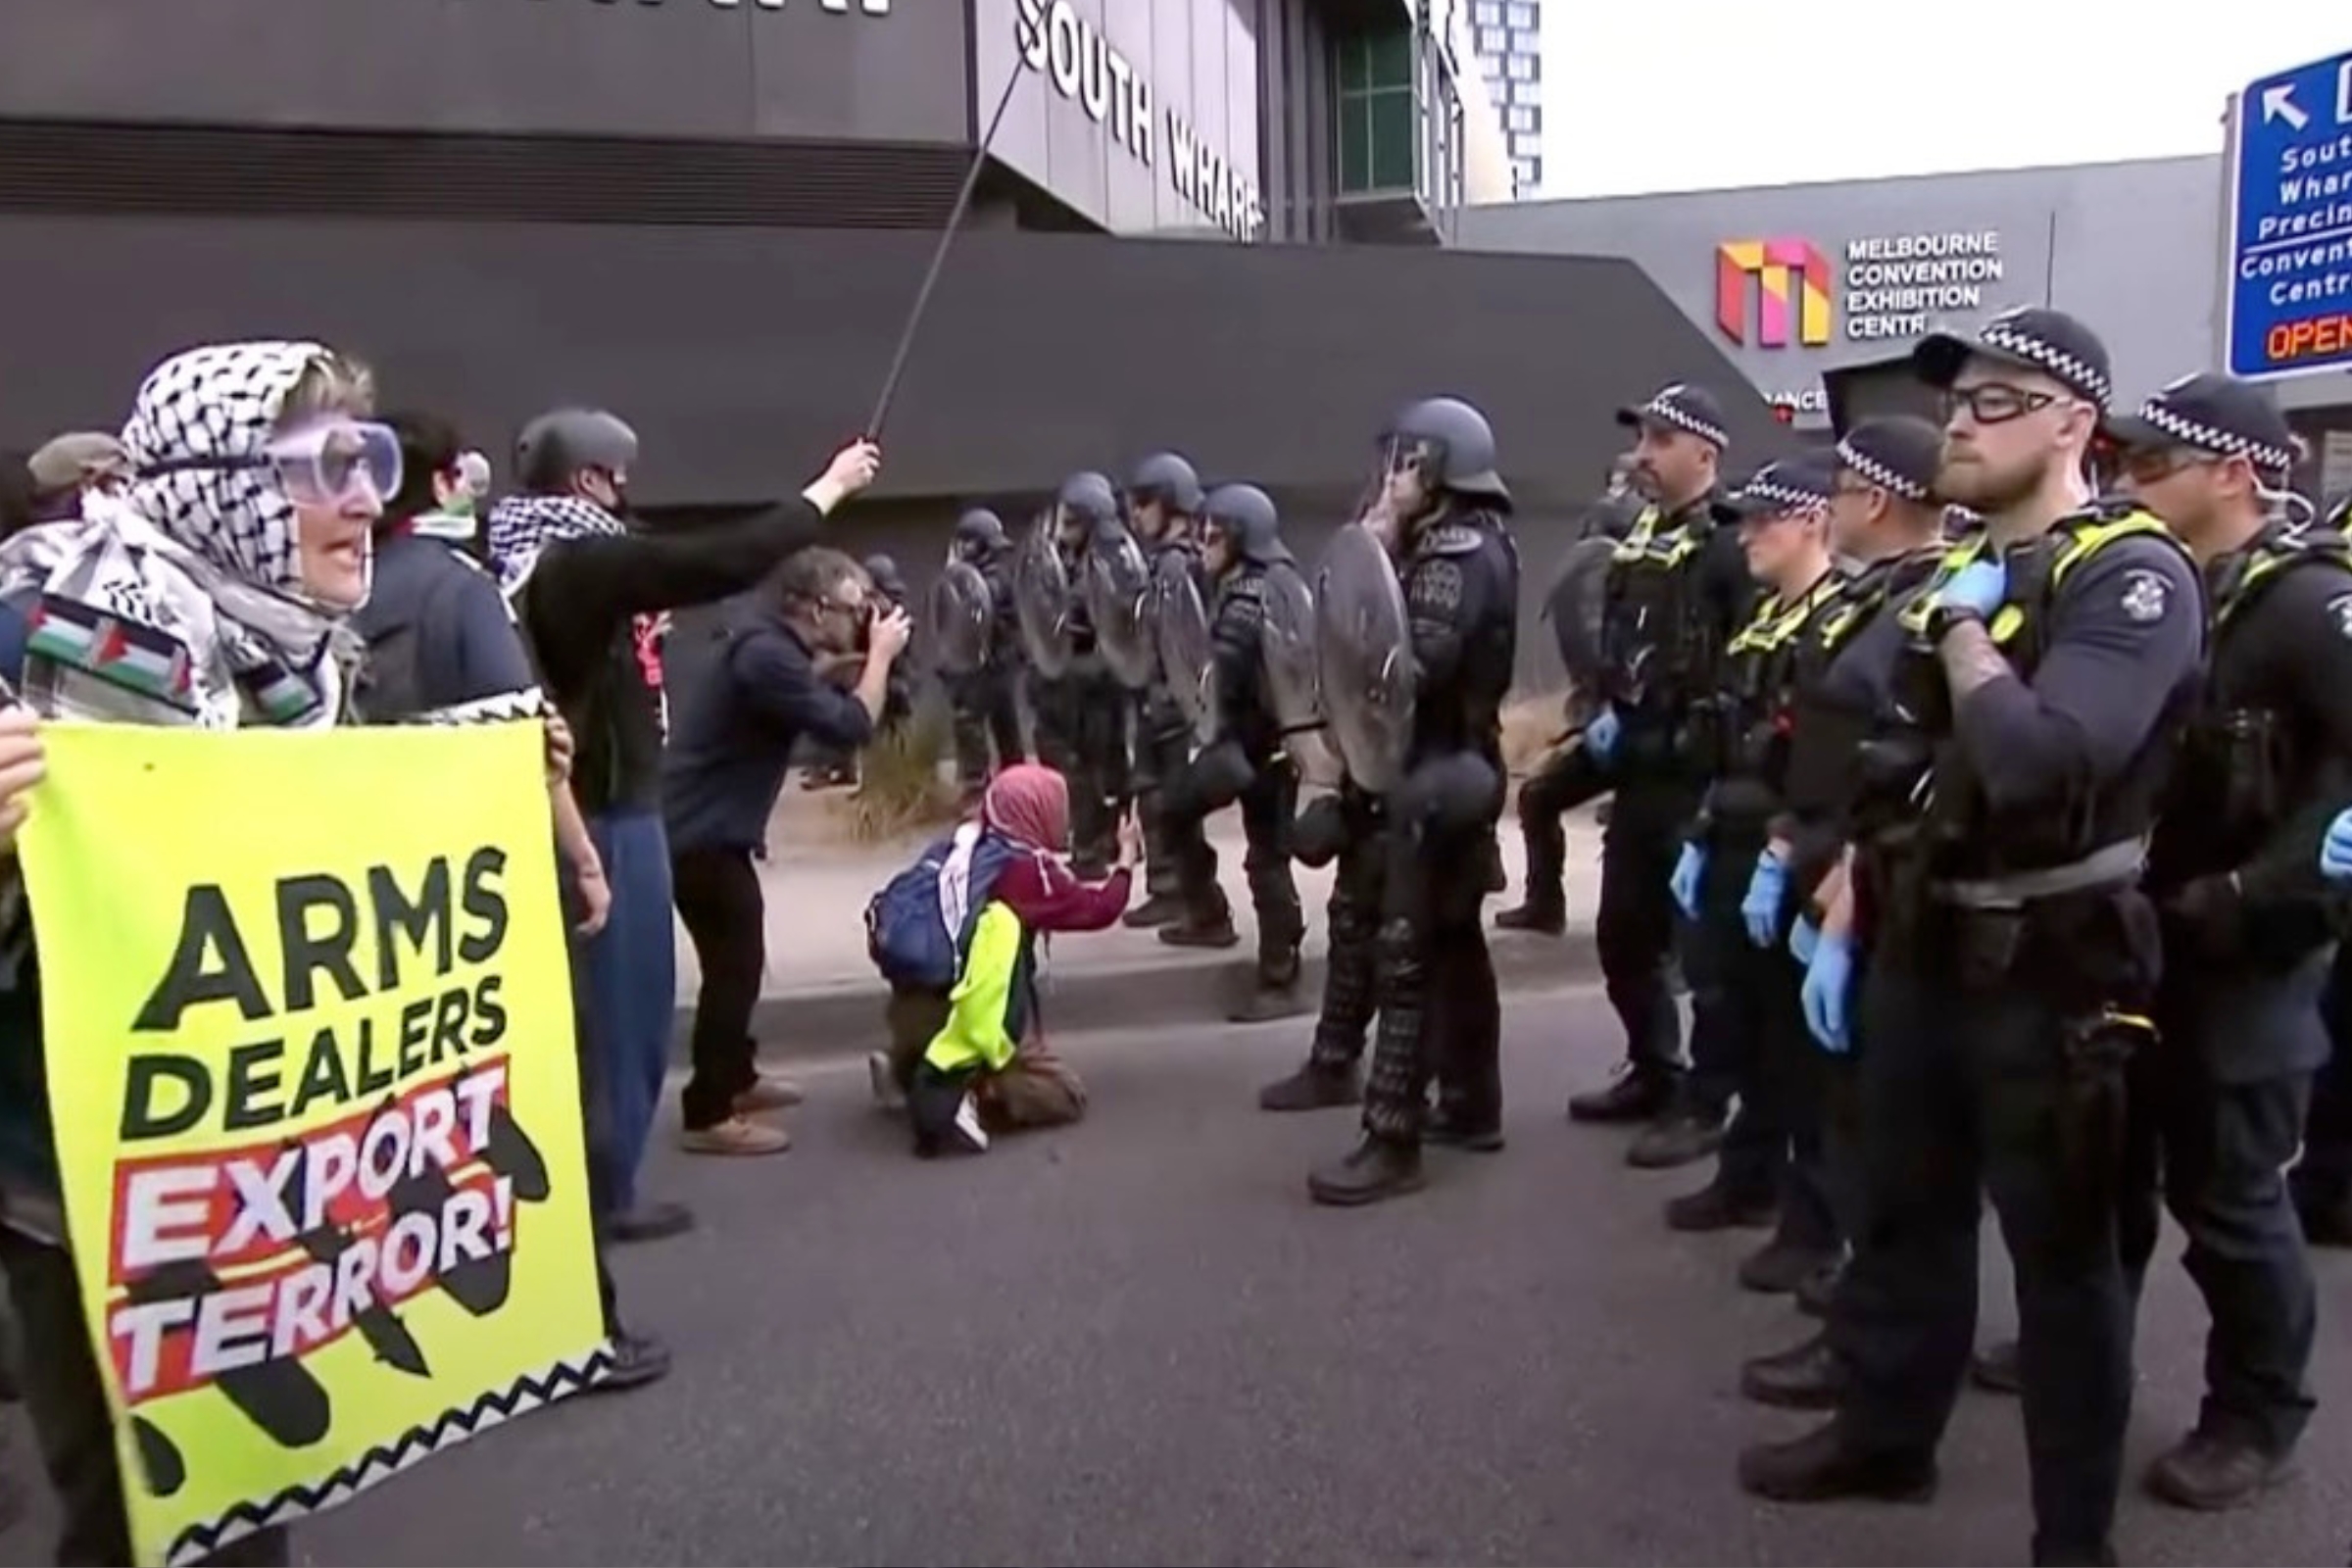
column 1803, row 938
column 1981, row 585
column 1688, row 872
column 1601, row 734
column 2335, row 850
column 1829, row 978
column 1767, row 892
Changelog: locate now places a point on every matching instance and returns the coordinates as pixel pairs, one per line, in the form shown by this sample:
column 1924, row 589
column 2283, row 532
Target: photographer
column 727, row 763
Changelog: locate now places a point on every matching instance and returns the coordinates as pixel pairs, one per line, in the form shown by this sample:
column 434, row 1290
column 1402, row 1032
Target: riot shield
column 1118, row 601
column 1294, row 681
column 956, row 620
column 1042, row 599
column 1187, row 650
column 1577, row 607
column 1365, row 653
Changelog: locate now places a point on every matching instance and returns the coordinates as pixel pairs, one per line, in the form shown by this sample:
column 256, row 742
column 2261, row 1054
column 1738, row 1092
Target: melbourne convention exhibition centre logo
column 1790, row 283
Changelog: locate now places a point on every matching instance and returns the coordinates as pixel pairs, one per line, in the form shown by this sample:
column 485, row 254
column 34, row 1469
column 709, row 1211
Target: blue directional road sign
column 2291, row 217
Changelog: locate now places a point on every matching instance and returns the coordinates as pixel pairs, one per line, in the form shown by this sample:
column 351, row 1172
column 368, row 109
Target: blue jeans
column 632, row 986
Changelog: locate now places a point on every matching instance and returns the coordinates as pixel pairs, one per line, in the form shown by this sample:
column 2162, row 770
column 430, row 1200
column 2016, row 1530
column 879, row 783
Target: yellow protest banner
column 310, row 1049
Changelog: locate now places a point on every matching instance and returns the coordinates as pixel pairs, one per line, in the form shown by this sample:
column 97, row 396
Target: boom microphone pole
column 939, row 257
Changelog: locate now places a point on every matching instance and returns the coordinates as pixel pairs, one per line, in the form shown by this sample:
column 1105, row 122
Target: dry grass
column 900, row 791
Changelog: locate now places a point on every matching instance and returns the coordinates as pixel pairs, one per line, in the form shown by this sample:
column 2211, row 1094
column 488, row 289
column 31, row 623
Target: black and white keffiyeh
column 201, row 557
column 521, row 528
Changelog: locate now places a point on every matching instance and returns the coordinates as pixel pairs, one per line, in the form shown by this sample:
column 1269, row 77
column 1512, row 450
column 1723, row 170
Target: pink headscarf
column 1030, row 804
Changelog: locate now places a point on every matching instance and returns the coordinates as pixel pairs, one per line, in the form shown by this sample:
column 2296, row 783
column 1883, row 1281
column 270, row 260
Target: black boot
column 1156, row 909
column 1453, row 1128
column 1274, row 992
column 1546, row 917
column 1781, row 1267
column 637, row 1359
column 1819, row 1467
column 1820, row 1289
column 1996, row 1369
column 1686, row 1135
column 1313, row 1087
column 1717, row 1208
column 1376, row 1168
column 2211, row 1471
column 1809, row 1377
column 1209, row 924
column 1637, row 1094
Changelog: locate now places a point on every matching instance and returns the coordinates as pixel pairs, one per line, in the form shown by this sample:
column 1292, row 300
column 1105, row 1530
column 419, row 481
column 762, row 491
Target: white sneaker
column 970, row 1135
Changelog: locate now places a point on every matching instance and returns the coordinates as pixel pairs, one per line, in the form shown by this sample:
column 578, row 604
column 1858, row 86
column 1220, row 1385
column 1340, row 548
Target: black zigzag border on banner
column 386, row 1460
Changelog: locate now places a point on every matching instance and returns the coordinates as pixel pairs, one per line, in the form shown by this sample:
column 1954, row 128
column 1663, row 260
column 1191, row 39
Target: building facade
column 1801, row 282
column 1509, row 41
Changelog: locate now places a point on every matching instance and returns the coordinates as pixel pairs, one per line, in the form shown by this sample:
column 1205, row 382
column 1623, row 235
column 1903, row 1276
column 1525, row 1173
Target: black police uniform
column 1246, row 763
column 1678, row 591
column 1082, row 714
column 1164, row 740
column 2218, row 1100
column 1747, row 994
column 986, row 702
column 1439, row 1014
column 898, row 699
column 2322, row 1182
column 2012, row 961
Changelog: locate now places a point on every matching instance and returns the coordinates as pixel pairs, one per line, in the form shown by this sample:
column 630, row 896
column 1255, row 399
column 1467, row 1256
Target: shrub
column 900, row 790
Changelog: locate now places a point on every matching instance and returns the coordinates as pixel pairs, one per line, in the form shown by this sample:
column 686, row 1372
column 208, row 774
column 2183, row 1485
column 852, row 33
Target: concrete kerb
column 845, row 1018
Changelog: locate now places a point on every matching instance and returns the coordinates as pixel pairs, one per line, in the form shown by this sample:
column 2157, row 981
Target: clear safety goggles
column 320, row 465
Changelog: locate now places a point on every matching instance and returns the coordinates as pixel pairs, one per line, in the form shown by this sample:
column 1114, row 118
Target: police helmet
column 885, row 574
column 1456, row 444
column 981, row 530
column 1089, row 497
column 1168, row 479
column 1245, row 515
column 555, row 446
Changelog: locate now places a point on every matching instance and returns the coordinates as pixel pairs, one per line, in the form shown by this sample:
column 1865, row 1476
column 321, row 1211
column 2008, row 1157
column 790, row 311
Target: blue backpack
column 919, row 926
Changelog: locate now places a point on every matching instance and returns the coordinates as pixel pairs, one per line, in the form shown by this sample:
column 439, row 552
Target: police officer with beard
column 2012, row 955
column 985, row 703
column 1082, row 713
column 1678, row 592
column 1439, row 513
column 2249, row 931
column 1163, row 497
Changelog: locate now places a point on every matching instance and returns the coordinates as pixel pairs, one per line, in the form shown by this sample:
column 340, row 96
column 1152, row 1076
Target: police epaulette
column 1450, row 539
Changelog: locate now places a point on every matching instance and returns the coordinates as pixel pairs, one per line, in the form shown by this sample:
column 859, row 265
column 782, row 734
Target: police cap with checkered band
column 1901, row 454
column 1691, row 410
column 1802, row 484
column 2212, row 414
column 2029, row 337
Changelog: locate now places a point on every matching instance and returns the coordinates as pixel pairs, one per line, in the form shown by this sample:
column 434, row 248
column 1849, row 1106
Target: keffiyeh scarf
column 521, row 528
column 182, row 601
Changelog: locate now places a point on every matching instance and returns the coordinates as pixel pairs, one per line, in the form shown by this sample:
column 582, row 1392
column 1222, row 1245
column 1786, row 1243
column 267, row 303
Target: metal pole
column 939, row 257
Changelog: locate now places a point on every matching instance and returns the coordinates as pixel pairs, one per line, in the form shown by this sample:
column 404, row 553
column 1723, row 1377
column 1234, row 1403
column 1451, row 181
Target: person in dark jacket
column 736, row 734
column 592, row 594
column 440, row 637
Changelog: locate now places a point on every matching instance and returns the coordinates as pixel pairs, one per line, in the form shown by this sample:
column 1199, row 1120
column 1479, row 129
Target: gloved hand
column 1602, row 732
column 1828, row 980
column 1688, row 872
column 1981, row 585
column 1767, row 892
column 2335, row 850
column 1804, row 937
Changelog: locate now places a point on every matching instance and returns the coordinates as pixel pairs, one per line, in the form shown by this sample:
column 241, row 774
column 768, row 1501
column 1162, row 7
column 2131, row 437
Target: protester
column 252, row 542
column 735, row 739
column 989, row 1069
column 69, row 465
column 592, row 594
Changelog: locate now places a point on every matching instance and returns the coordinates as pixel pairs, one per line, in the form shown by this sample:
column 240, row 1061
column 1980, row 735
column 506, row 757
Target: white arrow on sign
column 2278, row 103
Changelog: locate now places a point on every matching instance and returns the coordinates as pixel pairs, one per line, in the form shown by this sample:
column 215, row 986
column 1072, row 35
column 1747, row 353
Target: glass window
column 1519, row 14
column 1379, row 121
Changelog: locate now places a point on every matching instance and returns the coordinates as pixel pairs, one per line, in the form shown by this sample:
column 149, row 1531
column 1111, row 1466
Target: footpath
column 822, row 997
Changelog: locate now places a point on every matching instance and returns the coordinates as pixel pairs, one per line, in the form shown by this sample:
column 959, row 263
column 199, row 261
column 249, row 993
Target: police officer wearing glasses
column 2011, row 952
column 2249, row 929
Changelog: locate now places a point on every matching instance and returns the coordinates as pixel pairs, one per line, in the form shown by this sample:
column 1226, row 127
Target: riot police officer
column 1242, row 760
column 1163, row 497
column 1732, row 880
column 983, row 700
column 2012, row 954
column 1885, row 520
column 2218, row 1101
column 1081, row 709
column 891, row 583
column 1678, row 589
column 2322, row 1181
column 1439, row 514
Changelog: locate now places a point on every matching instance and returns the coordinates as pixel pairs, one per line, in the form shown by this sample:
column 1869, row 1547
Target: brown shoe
column 771, row 1093
column 737, row 1135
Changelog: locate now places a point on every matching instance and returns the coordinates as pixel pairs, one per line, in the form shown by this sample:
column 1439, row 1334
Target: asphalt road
column 1135, row 1341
